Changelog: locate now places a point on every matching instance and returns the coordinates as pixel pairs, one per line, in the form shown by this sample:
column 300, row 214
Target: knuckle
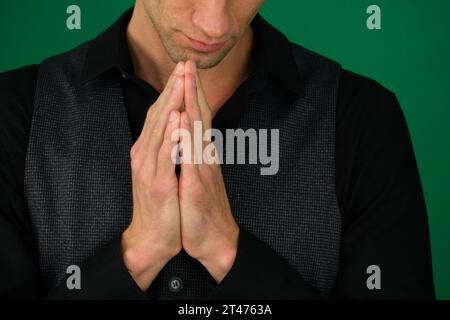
column 151, row 112
column 155, row 130
column 152, row 109
column 134, row 158
column 133, row 150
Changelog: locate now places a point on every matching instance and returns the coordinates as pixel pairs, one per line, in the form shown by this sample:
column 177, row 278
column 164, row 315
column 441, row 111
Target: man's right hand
column 154, row 234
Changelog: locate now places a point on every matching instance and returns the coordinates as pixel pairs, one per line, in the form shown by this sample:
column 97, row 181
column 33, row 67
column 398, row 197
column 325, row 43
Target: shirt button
column 175, row 284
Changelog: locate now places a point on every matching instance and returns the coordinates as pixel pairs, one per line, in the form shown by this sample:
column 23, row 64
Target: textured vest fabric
column 78, row 175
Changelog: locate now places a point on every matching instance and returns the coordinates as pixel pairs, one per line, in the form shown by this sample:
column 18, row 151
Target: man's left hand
column 208, row 229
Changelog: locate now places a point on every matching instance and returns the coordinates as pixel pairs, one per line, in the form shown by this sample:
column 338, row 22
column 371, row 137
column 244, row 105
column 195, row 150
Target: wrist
column 142, row 262
column 221, row 259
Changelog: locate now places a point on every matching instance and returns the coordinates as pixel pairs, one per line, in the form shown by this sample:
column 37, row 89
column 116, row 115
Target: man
column 89, row 179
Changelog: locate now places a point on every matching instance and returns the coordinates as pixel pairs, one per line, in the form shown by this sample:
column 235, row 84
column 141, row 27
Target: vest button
column 175, row 284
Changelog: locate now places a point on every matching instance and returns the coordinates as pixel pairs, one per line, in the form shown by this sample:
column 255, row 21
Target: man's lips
column 204, row 47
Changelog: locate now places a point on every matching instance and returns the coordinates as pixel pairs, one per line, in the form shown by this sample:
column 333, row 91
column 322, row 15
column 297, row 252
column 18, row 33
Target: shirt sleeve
column 259, row 272
column 384, row 214
column 104, row 276
column 383, row 210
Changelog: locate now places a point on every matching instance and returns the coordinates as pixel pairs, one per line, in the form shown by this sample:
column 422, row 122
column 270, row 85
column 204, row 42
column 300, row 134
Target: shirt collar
column 274, row 56
column 272, row 53
column 109, row 50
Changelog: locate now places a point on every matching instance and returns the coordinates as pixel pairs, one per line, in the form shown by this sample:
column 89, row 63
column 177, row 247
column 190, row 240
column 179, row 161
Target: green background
column 410, row 56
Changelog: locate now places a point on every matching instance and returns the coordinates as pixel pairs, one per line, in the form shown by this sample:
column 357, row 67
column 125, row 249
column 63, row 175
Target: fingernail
column 194, row 67
column 193, row 82
column 179, row 69
column 173, row 116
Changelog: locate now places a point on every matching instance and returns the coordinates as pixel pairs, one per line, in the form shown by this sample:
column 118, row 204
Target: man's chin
column 202, row 59
column 207, row 60
column 207, row 63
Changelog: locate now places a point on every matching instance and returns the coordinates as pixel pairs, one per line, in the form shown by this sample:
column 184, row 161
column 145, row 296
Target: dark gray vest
column 78, row 176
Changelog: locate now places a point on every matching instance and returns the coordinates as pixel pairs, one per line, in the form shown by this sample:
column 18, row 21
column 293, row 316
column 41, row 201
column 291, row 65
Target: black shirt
column 377, row 186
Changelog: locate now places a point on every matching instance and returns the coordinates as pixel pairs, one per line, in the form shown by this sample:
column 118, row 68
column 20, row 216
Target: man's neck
column 153, row 64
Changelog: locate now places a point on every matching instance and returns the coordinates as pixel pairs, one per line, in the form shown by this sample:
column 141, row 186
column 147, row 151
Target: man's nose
column 212, row 17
